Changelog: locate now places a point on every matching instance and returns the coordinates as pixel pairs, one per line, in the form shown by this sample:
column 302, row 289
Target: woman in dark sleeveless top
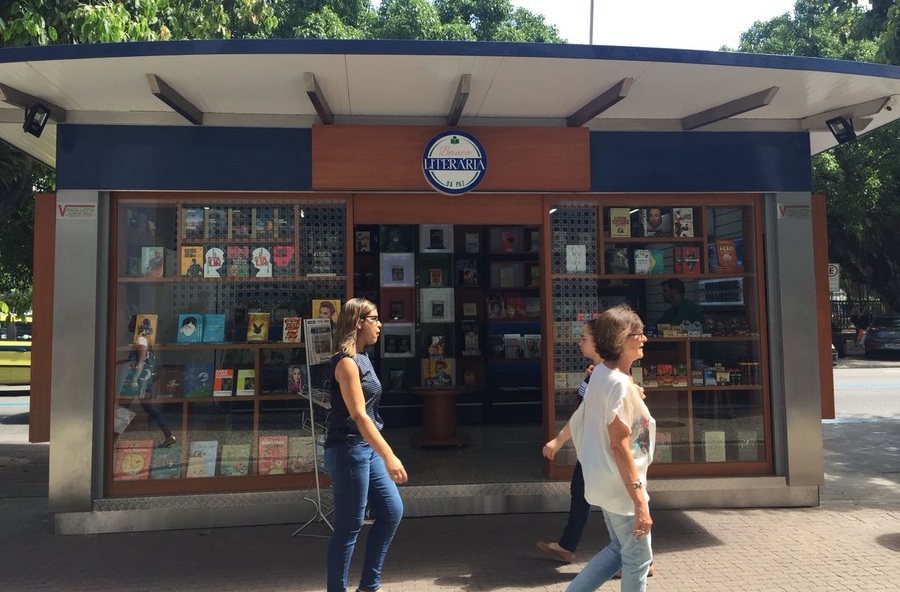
column 362, row 467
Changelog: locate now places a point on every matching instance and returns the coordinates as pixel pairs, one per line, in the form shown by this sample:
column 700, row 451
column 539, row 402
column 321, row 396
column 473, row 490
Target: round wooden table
column 439, row 417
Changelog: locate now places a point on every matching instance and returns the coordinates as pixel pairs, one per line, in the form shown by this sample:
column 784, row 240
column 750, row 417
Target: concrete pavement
column 851, row 542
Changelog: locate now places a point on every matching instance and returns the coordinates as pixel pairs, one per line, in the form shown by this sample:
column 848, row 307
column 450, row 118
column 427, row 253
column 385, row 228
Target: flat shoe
column 556, row 551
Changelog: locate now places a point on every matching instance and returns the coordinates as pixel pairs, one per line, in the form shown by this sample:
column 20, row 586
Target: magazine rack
column 318, row 353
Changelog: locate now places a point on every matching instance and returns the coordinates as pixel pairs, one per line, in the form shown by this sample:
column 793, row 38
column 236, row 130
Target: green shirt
column 683, row 311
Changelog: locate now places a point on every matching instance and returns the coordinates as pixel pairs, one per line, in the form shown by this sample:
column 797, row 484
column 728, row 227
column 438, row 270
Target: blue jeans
column 358, row 477
column 625, row 551
column 579, row 512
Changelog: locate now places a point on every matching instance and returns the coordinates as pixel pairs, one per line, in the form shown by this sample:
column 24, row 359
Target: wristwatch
column 637, row 484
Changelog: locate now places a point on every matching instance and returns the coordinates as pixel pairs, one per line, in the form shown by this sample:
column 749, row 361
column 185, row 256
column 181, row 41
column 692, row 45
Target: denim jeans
column 579, row 512
column 358, row 477
column 625, row 551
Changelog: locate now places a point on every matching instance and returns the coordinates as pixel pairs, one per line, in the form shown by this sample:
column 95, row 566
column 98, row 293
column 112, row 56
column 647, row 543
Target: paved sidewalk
column 851, row 542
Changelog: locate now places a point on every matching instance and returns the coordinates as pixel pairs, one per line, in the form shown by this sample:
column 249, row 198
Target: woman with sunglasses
column 614, row 433
column 361, row 465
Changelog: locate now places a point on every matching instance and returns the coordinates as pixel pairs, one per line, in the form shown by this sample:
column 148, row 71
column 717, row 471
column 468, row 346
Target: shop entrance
column 458, row 285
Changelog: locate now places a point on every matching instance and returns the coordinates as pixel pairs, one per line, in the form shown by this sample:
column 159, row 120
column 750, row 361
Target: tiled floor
column 494, row 454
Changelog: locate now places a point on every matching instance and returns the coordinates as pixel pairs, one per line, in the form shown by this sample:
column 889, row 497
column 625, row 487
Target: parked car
column 883, row 335
column 15, row 355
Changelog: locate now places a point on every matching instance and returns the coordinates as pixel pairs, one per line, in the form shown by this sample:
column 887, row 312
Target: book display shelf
column 460, row 309
column 704, row 371
column 220, row 287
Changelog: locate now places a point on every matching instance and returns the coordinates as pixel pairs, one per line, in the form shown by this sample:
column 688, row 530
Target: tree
column 861, row 180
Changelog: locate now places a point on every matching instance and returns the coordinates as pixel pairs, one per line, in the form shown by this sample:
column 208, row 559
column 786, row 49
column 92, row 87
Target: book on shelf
column 513, row 348
column 471, row 339
column 494, row 305
column 437, row 347
column 396, row 379
column 291, row 331
column 213, row 260
column 169, row 381
column 683, row 222
column 470, row 309
column 261, row 262
column 680, row 377
column 651, row 375
column 637, row 374
column 145, row 324
column 472, row 242
column 193, row 222
column 257, row 326
column 619, row 222
column 237, row 258
column 532, row 343
column 191, row 258
column 435, row 277
column 131, row 461
column 714, row 446
column 321, row 259
column 318, row 341
column 223, row 382
column 507, row 242
column 363, row 241
column 656, row 222
column 272, row 456
column 301, row 454
column 649, row 261
column 507, row 275
column 283, row 260
column 467, row 272
column 662, row 451
column 326, row 308
column 202, row 457
column 437, row 372
column 727, row 256
column 532, row 307
column 239, row 223
column 687, row 260
column 617, row 260
column 532, row 240
column 246, row 382
column 214, row 327
column 748, row 447
column 198, row 379
column 665, row 374
column 165, row 463
column 216, row 223
column 560, row 380
column 436, row 239
column 153, row 262
column 235, row 460
column 264, row 222
column 514, row 305
column 576, row 258
column 534, row 276
column 295, row 378
column 190, row 328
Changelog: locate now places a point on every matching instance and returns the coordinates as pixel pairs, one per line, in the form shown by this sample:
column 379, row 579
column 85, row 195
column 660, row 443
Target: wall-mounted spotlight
column 36, row 118
column 842, row 129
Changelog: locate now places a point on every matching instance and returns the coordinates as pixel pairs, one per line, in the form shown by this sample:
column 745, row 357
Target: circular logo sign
column 454, row 162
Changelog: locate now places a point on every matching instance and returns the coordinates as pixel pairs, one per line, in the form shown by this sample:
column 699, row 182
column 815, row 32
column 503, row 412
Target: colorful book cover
column 165, row 463
column 246, row 382
column 617, row 260
column 514, row 305
column 295, row 380
column 223, row 382
column 507, row 242
column 656, row 222
column 213, row 260
column 273, row 455
column 665, row 374
column 301, row 454
column 326, row 309
column 291, row 331
column 131, row 461
column 687, row 260
column 726, row 256
column 239, row 223
column 237, row 261
column 261, row 262
column 169, row 381
column 680, row 378
column 435, row 277
column 198, row 379
column 202, row 458
column 533, row 345
column 235, row 460
column 513, row 348
column 145, row 324
column 191, row 261
column 283, row 260
column 683, row 221
column 662, row 452
column 153, row 262
column 619, row 222
column 190, row 328
column 437, row 372
column 649, row 261
column 264, row 222
column 214, row 327
column 257, row 326
column 193, row 222
column 216, row 223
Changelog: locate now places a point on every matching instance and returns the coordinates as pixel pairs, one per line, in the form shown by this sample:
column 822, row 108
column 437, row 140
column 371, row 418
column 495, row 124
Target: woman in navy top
column 362, row 467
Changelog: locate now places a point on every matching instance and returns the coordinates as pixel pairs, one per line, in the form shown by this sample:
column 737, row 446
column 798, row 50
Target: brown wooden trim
column 436, row 208
column 214, row 484
column 823, row 304
column 386, row 158
column 42, row 325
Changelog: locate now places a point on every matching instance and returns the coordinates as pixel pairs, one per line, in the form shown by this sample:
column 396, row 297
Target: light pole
column 591, row 34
